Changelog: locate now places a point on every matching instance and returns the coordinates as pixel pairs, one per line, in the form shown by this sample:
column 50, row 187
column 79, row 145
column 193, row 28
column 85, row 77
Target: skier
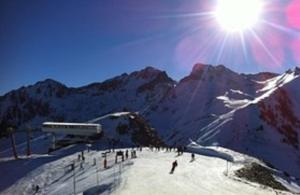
column 105, row 163
column 174, row 165
column 82, row 156
column 126, row 154
column 72, row 166
column 193, row 157
column 37, row 188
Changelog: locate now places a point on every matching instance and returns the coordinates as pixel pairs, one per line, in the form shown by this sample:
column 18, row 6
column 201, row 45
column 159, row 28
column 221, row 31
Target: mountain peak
column 147, row 72
column 49, row 81
column 199, row 67
column 297, row 70
column 150, row 70
column 201, row 71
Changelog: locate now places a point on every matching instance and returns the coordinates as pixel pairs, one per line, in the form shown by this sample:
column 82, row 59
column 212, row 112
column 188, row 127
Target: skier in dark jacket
column 193, row 157
column 174, row 165
column 37, row 188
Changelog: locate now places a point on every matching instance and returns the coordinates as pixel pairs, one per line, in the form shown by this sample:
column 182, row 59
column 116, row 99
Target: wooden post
column 28, row 141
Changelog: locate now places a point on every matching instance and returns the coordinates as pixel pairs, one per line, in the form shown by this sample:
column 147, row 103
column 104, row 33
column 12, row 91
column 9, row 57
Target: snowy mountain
column 257, row 114
column 50, row 100
column 215, row 106
column 266, row 126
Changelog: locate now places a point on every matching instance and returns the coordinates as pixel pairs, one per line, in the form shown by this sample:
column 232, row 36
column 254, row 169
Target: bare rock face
column 260, row 174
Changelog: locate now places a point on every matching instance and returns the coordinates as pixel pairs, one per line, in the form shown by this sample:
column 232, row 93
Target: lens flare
column 238, row 15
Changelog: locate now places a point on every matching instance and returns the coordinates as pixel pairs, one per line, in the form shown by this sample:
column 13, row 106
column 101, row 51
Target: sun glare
column 238, row 15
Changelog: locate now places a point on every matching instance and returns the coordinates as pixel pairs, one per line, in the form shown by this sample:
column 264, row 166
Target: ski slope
column 146, row 174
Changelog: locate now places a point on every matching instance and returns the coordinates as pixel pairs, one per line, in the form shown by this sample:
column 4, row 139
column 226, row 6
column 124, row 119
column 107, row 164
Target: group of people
column 81, row 156
column 121, row 153
column 132, row 152
column 179, row 149
column 159, row 148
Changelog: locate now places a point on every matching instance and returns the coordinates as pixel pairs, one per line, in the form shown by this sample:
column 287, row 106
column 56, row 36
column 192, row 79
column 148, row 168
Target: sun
column 238, row 15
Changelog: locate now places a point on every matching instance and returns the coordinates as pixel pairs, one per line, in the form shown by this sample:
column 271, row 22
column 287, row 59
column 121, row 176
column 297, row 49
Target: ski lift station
column 76, row 129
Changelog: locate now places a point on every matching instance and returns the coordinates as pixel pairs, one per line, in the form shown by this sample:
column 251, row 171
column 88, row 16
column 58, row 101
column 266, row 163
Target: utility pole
column 120, row 171
column 74, row 179
column 226, row 167
column 28, row 141
column 53, row 141
column 97, row 170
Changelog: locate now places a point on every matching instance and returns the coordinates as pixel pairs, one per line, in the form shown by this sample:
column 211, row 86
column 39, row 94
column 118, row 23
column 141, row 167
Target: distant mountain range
column 256, row 114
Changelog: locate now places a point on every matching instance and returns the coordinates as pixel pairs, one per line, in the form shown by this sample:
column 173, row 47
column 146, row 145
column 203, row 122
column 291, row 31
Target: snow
column 207, row 151
column 278, row 81
column 269, row 87
column 239, row 92
column 232, row 103
column 146, row 174
column 116, row 114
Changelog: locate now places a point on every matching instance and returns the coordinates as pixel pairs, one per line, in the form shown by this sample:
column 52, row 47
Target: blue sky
column 82, row 41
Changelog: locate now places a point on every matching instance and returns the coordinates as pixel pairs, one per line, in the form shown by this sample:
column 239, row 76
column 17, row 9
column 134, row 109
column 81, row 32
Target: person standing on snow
column 174, row 165
column 37, row 188
column 193, row 157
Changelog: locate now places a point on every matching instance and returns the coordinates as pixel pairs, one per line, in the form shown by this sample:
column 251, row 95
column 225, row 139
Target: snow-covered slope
column 193, row 103
column 266, row 126
column 146, row 174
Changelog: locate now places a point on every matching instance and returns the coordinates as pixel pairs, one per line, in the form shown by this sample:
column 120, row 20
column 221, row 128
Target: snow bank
column 198, row 149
